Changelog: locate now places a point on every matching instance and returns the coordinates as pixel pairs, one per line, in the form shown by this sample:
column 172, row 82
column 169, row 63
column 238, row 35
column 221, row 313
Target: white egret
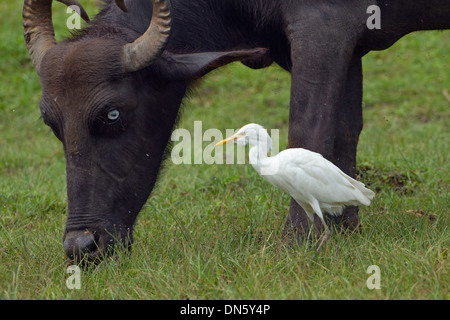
column 314, row 182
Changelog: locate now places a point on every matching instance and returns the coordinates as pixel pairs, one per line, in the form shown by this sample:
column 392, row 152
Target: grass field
column 214, row 232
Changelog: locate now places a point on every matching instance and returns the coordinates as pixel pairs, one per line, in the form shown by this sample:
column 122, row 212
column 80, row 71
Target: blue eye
column 113, row 115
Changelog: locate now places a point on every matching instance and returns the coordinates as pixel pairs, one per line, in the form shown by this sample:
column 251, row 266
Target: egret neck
column 258, row 153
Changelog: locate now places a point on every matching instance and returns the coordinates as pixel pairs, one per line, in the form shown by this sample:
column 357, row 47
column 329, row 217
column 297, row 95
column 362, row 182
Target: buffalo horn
column 38, row 27
column 147, row 48
column 121, row 5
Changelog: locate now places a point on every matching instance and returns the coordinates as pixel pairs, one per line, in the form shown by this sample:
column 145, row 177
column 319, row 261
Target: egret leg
column 325, row 235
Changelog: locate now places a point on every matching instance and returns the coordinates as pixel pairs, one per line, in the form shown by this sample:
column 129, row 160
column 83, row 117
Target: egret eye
column 113, row 115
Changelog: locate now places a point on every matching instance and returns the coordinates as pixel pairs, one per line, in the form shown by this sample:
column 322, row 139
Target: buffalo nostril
column 79, row 243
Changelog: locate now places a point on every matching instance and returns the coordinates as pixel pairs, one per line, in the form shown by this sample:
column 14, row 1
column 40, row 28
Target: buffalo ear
column 191, row 66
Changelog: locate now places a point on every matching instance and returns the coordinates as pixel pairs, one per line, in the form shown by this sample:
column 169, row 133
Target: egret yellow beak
column 230, row 139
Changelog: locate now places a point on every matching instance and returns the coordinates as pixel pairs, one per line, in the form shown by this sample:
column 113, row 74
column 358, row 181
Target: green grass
column 214, row 232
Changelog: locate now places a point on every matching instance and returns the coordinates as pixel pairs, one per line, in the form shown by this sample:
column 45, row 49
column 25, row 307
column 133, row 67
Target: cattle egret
column 315, row 183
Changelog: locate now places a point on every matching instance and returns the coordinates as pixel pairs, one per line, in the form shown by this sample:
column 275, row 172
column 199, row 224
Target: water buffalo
column 112, row 91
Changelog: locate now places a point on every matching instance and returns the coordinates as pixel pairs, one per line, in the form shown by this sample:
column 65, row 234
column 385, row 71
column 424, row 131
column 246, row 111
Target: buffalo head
column 111, row 97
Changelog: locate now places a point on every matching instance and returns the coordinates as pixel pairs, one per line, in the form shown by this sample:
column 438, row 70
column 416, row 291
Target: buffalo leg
column 350, row 122
column 318, row 80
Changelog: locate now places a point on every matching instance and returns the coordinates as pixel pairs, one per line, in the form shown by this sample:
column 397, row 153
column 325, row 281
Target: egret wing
column 307, row 175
